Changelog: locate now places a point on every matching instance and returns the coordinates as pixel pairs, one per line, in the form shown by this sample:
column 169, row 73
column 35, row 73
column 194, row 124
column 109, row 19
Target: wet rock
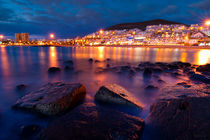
column 185, row 118
column 184, row 84
column 52, row 98
column 203, row 68
column 200, row 78
column 177, row 92
column 115, row 94
column 89, row 121
column 147, row 72
column 21, row 87
column 29, row 131
column 151, row 88
column 54, row 70
column 90, row 60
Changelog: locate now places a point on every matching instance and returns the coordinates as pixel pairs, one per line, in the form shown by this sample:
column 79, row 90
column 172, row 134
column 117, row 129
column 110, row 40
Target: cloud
column 202, row 5
column 6, row 14
column 169, row 10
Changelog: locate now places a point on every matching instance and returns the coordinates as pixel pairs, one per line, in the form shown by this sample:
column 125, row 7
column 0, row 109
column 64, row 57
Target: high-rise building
column 21, row 37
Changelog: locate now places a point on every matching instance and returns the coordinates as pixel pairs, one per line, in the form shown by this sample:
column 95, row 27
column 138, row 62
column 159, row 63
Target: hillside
column 141, row 25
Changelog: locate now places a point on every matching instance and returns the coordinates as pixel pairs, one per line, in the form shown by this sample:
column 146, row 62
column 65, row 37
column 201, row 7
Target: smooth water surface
column 29, row 65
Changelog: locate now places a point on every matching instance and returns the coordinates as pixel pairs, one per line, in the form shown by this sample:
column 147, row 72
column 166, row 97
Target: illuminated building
column 21, row 37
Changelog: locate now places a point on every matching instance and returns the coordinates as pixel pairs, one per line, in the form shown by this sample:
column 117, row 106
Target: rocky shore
column 180, row 111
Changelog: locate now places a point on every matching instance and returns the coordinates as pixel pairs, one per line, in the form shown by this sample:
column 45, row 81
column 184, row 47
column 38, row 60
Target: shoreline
column 123, row 46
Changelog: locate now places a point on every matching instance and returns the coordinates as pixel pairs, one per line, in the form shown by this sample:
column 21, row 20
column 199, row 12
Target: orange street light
column 52, row 36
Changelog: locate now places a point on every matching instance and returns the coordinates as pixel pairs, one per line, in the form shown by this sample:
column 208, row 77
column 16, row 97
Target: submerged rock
column 21, row 87
column 69, row 68
column 183, row 118
column 54, row 70
column 89, row 121
column 90, row 60
column 52, row 98
column 115, row 94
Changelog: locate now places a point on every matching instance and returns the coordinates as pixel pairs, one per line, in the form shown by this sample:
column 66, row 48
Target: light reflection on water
column 28, row 65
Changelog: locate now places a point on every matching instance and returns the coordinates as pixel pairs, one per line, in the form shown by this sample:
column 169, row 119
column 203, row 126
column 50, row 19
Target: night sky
column 69, row 18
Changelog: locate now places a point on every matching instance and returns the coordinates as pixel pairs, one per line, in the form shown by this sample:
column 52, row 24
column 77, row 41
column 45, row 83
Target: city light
column 101, row 31
column 207, row 22
column 52, row 36
column 1, row 36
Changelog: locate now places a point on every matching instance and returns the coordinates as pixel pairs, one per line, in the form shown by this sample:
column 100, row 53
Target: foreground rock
column 181, row 114
column 91, row 122
column 52, row 98
column 186, row 118
column 115, row 94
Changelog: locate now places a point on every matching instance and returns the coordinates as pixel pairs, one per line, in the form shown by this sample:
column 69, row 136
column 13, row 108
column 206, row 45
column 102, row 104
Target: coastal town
column 171, row 35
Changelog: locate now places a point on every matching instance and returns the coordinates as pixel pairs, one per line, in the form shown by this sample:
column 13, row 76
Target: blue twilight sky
column 69, row 18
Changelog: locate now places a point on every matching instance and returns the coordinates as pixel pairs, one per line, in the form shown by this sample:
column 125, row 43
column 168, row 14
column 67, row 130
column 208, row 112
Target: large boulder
column 181, row 113
column 115, row 94
column 91, row 122
column 52, row 98
column 177, row 119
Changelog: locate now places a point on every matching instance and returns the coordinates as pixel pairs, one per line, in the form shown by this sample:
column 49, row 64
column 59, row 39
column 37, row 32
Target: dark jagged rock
column 200, row 78
column 91, row 122
column 52, row 98
column 203, row 68
column 54, row 70
column 147, row 72
column 115, row 94
column 183, row 118
column 108, row 59
column 29, row 131
column 21, row 87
